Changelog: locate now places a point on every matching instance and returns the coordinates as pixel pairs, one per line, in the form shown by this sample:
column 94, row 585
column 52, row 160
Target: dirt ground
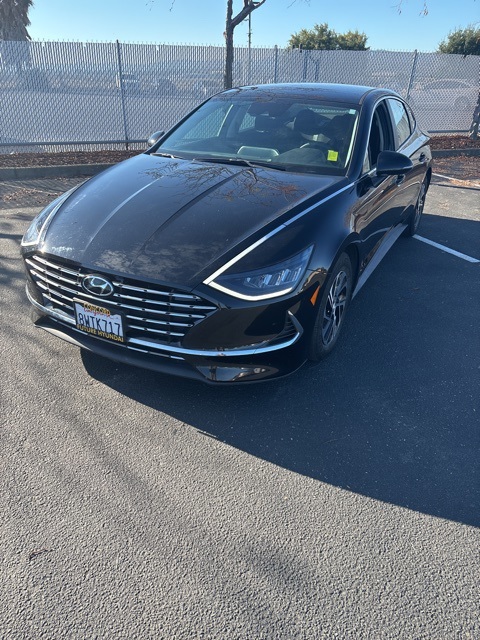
column 44, row 159
column 454, row 142
column 459, row 167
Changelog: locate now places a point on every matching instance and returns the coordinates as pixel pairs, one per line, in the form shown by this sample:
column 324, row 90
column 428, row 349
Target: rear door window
column 401, row 121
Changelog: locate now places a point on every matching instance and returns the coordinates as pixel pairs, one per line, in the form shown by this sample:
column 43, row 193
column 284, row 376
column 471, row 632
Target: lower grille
column 155, row 315
column 288, row 332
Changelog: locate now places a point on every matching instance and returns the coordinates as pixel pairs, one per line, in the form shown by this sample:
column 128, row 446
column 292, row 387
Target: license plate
column 99, row 321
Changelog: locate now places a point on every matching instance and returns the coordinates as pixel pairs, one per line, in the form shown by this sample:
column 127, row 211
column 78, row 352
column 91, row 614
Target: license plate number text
column 99, row 321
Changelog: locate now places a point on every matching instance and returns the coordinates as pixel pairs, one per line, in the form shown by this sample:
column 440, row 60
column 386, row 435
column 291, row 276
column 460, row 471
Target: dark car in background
column 229, row 251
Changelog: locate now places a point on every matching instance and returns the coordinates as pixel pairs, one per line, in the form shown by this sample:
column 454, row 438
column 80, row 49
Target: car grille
column 155, row 315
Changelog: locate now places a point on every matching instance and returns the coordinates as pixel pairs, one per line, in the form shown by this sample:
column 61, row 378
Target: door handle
column 422, row 158
column 400, row 179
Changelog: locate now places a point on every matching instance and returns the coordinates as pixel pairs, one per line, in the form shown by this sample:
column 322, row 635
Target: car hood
column 174, row 220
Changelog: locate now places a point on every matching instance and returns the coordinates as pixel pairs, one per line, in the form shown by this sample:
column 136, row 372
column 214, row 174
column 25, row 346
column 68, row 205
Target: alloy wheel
column 419, row 208
column 335, row 308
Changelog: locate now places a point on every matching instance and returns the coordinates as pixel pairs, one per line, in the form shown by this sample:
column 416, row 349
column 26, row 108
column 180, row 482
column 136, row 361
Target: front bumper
column 264, row 361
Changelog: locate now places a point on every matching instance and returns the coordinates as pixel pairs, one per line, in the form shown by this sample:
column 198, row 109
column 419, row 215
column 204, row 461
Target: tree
column 14, row 19
column 322, row 37
column 352, row 41
column 463, row 41
column 231, row 22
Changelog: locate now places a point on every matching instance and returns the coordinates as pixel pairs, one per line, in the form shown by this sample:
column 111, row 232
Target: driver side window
column 381, row 137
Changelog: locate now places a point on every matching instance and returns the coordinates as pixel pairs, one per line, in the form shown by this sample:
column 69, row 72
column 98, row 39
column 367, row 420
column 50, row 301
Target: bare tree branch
column 423, row 12
column 248, row 7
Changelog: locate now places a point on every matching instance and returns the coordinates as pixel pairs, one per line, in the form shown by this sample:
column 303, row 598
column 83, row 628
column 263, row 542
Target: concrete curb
column 447, row 153
column 77, row 170
column 57, row 171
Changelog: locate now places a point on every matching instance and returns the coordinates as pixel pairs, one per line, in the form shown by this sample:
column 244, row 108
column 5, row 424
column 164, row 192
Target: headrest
column 339, row 126
column 266, row 123
column 306, row 122
column 268, row 107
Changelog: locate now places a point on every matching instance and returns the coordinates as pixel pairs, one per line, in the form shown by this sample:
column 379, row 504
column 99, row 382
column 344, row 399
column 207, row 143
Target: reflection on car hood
column 172, row 220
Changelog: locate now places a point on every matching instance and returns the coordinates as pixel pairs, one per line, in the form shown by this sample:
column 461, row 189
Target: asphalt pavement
column 341, row 502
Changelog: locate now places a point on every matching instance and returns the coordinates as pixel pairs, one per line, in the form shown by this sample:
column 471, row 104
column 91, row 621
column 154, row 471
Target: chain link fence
column 59, row 96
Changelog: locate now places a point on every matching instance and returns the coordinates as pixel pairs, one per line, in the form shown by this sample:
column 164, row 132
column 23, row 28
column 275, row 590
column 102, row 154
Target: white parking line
column 467, row 184
column 440, row 175
column 446, row 249
column 390, row 238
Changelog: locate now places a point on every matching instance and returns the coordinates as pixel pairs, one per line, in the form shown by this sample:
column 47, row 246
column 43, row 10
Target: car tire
column 414, row 220
column 332, row 308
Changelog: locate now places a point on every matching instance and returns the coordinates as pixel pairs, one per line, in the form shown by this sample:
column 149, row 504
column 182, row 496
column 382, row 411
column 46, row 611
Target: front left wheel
column 416, row 216
column 332, row 309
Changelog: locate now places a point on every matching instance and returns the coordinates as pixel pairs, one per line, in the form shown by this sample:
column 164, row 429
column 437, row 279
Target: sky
column 203, row 21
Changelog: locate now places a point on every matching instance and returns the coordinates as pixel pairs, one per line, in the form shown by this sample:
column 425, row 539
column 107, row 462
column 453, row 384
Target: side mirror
column 392, row 163
column 154, row 138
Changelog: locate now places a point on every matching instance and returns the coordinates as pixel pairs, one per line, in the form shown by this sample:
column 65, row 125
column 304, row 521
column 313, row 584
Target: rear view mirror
column 154, row 138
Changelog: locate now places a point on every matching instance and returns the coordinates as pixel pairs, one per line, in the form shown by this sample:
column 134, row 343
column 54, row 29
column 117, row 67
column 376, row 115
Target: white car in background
column 447, row 93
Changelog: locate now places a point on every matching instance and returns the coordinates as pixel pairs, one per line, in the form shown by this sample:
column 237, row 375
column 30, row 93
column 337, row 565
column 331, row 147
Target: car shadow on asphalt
column 458, row 234
column 392, row 414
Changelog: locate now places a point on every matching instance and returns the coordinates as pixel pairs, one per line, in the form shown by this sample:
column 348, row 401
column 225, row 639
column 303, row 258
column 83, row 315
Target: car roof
column 353, row 94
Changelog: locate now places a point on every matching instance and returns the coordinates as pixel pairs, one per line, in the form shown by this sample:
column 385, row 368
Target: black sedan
column 230, row 250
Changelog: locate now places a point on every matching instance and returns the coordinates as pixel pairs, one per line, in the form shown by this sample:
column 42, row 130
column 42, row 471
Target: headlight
column 37, row 229
column 269, row 282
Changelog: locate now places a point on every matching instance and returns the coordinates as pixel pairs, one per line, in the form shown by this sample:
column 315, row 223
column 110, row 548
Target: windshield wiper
column 242, row 162
column 270, row 165
column 166, row 155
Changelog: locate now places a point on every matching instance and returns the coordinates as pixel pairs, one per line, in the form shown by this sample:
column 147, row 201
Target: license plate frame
column 100, row 321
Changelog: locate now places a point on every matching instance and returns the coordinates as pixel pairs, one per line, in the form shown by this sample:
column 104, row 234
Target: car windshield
column 289, row 134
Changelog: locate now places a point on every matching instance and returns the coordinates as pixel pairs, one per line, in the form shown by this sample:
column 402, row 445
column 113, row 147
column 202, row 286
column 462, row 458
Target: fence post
column 473, row 131
column 122, row 93
column 275, row 68
column 412, row 74
column 305, row 65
